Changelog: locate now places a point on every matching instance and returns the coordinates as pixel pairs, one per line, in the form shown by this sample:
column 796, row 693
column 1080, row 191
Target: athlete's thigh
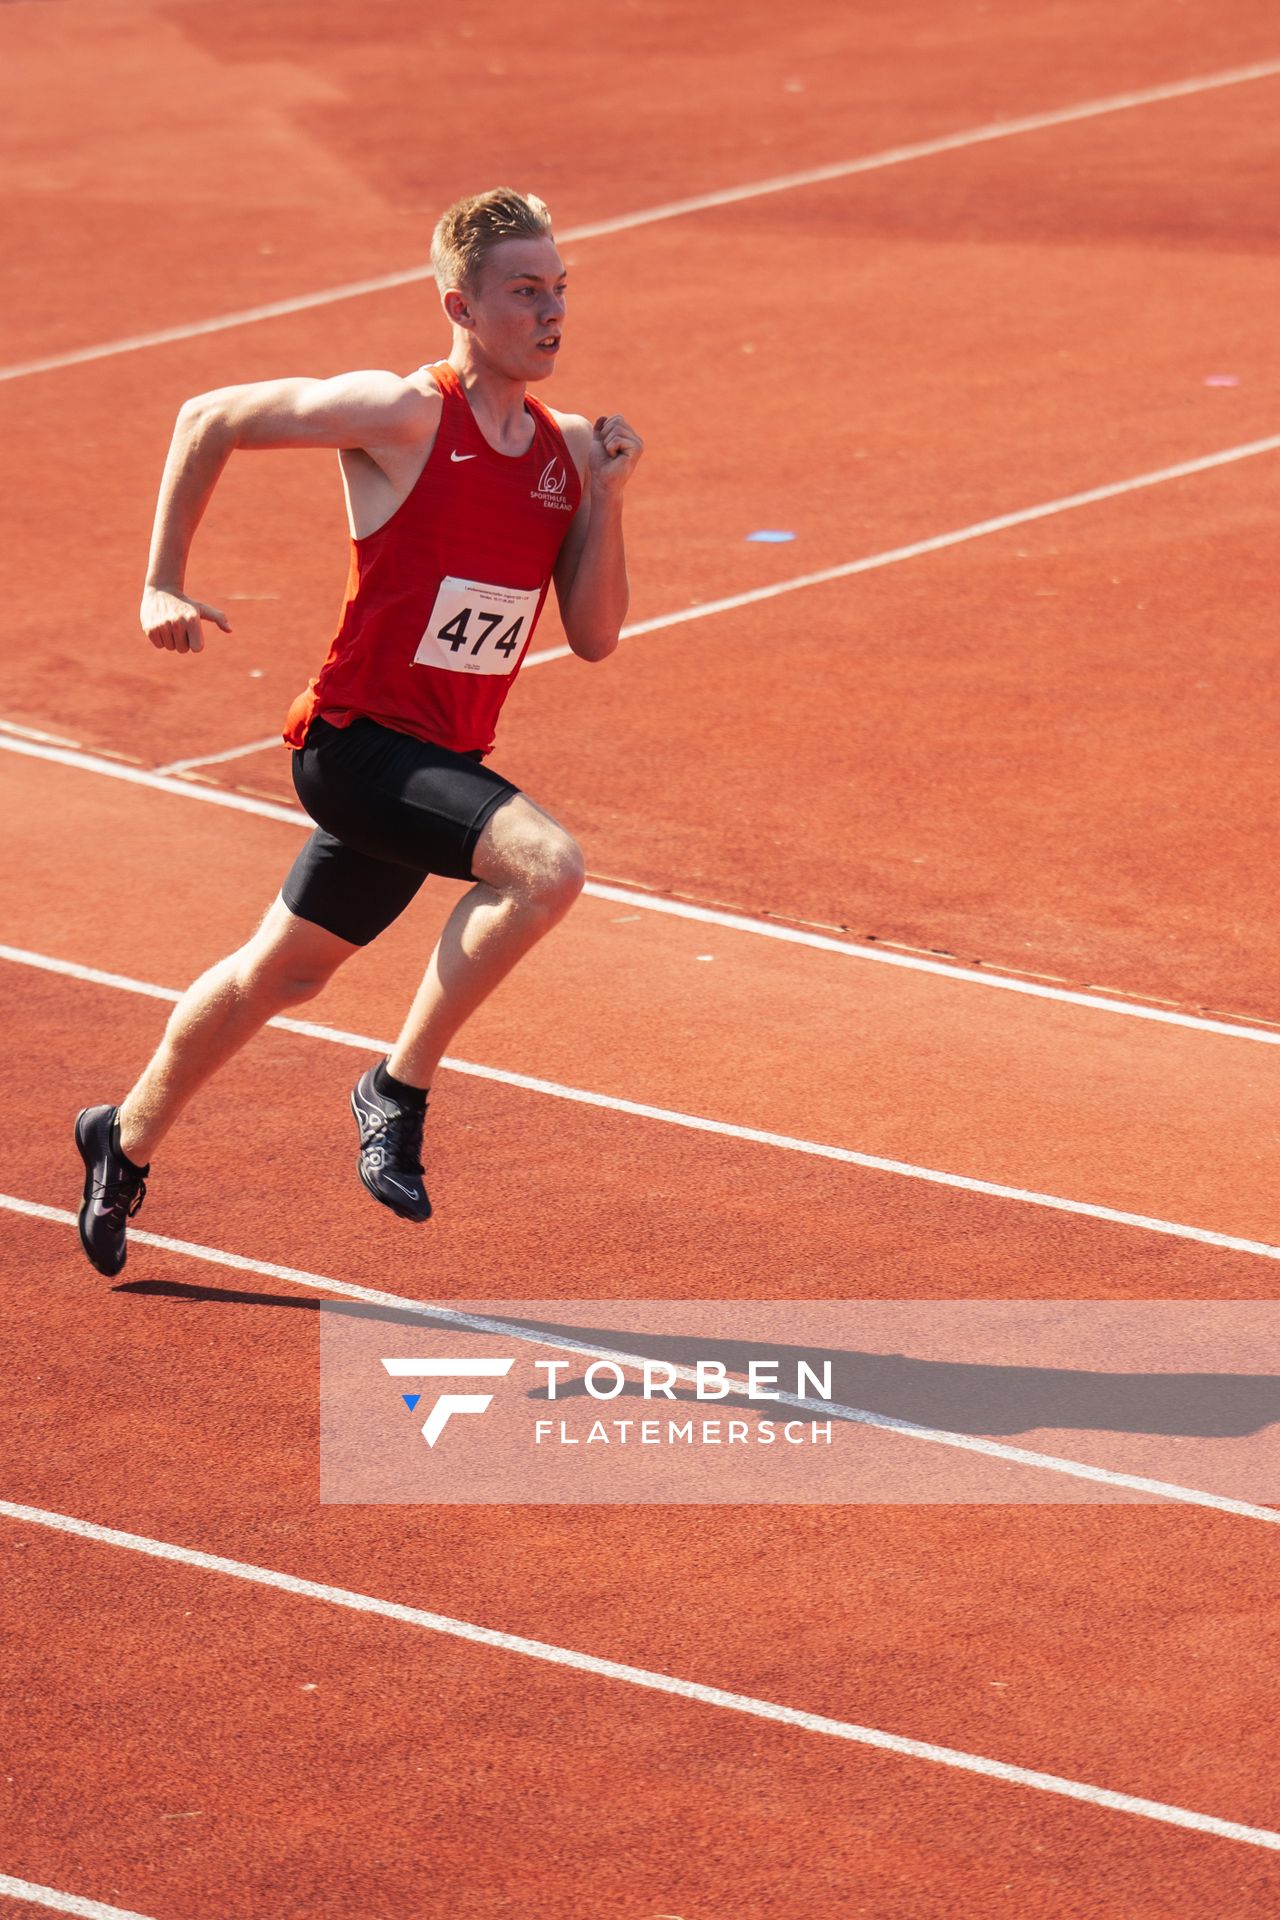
column 398, row 799
column 345, row 894
column 520, row 838
column 288, row 943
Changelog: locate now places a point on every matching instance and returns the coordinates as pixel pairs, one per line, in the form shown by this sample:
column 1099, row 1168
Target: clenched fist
column 615, row 453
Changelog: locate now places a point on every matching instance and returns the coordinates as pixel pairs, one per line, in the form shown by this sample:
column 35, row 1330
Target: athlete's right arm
column 369, row 411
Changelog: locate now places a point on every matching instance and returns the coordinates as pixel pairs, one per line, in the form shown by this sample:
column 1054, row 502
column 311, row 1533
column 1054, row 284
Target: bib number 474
column 476, row 627
column 455, row 632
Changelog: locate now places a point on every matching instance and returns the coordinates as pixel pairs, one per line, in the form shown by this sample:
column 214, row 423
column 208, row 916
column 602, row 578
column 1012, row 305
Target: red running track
column 1045, row 750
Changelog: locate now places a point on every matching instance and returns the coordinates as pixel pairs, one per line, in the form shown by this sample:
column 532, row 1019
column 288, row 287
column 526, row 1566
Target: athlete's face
column 517, row 308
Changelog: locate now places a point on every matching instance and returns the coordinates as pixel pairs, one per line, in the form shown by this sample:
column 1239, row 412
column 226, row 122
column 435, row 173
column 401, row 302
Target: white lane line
column 37, row 733
column 217, row 759
column 673, row 909
column 515, row 1330
column 937, row 543
column 677, row 209
column 691, row 1122
column 158, row 782
column 914, row 963
column 649, row 1680
column 63, row 1902
column 220, row 323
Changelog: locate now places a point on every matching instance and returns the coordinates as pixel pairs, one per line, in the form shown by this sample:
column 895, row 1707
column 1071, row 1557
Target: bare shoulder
column 400, row 417
column 577, row 434
column 414, row 400
column 367, row 408
column 397, row 409
column 405, row 406
column 423, row 381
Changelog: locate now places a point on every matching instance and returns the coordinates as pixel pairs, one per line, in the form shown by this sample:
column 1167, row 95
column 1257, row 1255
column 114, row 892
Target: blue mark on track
column 772, row 536
column 411, row 1400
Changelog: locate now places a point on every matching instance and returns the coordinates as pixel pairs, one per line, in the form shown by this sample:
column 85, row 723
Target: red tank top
column 443, row 599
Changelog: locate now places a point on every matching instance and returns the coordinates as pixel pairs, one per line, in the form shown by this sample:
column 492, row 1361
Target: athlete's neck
column 496, row 401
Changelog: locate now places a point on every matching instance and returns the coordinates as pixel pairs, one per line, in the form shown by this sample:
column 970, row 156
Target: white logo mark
column 462, row 456
column 448, row 1403
column 551, row 482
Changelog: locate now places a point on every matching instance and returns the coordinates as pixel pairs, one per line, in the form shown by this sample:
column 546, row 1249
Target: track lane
column 1048, row 750
column 1059, row 1099
column 301, row 181
column 208, row 1389
column 386, row 1708
column 658, row 1210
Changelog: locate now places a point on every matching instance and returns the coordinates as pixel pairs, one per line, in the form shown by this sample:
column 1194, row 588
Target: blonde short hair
column 467, row 232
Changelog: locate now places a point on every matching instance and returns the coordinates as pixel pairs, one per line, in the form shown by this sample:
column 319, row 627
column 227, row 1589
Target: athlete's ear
column 455, row 305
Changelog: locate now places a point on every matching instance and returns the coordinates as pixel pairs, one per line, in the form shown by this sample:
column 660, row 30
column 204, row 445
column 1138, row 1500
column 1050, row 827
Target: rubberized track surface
column 1043, row 750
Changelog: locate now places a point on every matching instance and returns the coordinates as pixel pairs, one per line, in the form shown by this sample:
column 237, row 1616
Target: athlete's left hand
column 615, row 453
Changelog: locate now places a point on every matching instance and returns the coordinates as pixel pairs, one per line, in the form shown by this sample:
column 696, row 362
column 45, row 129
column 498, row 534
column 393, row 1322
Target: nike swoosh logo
column 462, row 456
column 391, row 1182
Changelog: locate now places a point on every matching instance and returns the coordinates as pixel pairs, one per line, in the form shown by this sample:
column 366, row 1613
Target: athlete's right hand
column 172, row 622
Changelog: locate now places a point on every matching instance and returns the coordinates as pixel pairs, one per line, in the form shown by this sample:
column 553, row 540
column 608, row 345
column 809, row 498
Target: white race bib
column 476, row 628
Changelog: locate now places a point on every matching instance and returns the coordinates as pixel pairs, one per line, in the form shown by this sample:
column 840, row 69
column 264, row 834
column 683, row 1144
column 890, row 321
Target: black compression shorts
column 389, row 810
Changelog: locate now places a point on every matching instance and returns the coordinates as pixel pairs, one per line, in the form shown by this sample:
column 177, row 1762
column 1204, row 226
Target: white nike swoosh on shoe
column 391, row 1182
column 462, row 456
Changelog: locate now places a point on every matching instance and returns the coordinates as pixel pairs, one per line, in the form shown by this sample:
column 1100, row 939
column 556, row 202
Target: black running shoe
column 114, row 1189
column 390, row 1149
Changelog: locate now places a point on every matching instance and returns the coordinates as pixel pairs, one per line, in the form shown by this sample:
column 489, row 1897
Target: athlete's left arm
column 591, row 573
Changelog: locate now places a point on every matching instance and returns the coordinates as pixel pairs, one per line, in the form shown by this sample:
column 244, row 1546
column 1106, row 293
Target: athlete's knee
column 553, row 875
column 271, row 983
column 284, row 976
column 564, row 871
column 524, row 852
column 293, row 987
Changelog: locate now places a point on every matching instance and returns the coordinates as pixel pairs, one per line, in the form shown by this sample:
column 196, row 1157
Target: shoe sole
column 108, row 1273
column 401, row 1213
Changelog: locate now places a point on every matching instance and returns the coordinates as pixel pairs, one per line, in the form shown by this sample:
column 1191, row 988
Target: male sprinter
column 466, row 497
